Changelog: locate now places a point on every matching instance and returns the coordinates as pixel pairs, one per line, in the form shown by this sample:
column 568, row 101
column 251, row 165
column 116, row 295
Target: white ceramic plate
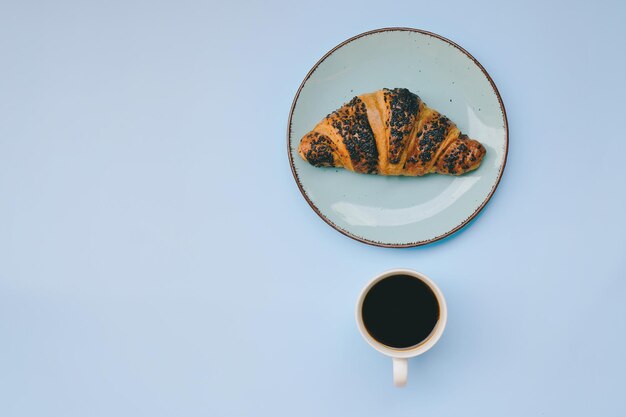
column 400, row 211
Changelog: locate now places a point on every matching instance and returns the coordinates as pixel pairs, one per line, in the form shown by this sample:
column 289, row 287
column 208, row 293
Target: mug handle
column 400, row 371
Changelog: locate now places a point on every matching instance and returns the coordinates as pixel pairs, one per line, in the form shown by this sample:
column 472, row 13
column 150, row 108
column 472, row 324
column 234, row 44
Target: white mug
column 400, row 356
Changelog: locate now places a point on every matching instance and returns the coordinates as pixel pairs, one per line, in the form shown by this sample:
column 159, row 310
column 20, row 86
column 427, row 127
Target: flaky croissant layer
column 390, row 132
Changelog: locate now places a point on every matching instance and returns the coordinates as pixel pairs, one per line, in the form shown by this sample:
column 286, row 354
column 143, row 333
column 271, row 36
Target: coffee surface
column 400, row 311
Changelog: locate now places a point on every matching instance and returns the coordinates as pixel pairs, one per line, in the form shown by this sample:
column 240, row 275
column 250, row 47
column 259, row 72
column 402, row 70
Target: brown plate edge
column 383, row 244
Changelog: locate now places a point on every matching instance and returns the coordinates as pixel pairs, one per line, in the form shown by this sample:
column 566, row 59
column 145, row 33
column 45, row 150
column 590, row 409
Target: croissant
column 390, row 132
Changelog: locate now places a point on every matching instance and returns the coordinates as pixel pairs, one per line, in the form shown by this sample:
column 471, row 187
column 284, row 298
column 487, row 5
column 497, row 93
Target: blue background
column 157, row 258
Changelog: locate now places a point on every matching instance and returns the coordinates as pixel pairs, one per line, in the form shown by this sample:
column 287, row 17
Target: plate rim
column 385, row 244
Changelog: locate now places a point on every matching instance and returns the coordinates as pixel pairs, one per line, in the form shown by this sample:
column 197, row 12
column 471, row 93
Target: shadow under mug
column 400, row 356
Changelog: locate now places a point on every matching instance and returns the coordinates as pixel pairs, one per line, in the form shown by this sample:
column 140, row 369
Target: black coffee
column 400, row 311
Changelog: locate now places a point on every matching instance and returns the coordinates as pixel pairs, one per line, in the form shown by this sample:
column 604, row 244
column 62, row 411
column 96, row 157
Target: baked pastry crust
column 390, row 132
